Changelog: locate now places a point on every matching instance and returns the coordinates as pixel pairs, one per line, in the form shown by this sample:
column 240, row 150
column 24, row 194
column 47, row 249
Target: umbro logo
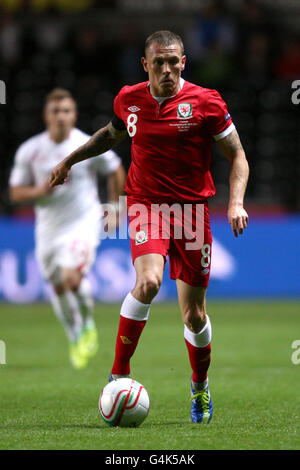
column 134, row 109
column 125, row 340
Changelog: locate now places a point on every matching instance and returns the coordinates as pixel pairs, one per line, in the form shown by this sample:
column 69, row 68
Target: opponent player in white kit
column 68, row 218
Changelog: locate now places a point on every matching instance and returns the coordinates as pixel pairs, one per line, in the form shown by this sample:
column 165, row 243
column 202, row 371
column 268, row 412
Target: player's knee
column 59, row 289
column 148, row 286
column 195, row 318
column 71, row 280
column 74, row 285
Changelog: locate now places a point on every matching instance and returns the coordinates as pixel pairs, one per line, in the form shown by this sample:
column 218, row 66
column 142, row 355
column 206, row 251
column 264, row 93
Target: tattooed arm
column 239, row 171
column 100, row 142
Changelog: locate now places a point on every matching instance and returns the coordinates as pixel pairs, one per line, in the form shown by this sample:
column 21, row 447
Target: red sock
column 127, row 340
column 200, row 360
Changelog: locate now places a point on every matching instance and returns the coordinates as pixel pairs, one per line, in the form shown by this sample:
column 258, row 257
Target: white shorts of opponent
column 75, row 249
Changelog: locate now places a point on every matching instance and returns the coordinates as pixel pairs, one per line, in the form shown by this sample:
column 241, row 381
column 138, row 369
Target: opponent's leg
column 89, row 337
column 135, row 310
column 73, row 281
column 66, row 308
column 85, row 301
column 197, row 334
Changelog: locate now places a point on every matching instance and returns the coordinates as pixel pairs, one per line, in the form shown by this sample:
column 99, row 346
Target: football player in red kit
column 172, row 124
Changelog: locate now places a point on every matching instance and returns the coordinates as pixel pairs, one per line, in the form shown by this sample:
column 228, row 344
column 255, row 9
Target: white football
column 124, row 402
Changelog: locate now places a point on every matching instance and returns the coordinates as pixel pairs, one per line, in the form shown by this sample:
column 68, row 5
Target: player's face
column 164, row 65
column 60, row 116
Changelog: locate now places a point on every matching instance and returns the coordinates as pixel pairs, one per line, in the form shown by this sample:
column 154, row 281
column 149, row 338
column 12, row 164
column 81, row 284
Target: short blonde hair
column 164, row 38
column 58, row 94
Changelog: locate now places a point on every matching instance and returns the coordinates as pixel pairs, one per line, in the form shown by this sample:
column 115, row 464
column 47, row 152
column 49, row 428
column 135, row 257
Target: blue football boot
column 202, row 408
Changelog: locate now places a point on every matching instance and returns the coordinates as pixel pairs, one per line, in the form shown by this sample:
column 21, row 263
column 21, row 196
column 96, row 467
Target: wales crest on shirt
column 184, row 110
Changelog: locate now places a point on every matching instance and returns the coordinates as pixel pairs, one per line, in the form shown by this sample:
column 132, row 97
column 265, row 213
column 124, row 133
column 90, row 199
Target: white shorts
column 75, row 250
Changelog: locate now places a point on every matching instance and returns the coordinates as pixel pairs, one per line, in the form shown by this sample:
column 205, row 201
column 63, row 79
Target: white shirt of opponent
column 73, row 203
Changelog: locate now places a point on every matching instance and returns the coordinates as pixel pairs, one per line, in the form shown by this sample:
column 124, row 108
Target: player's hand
column 238, row 219
column 59, row 174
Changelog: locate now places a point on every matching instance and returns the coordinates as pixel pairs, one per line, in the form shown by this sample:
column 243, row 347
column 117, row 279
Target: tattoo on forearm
column 231, row 143
column 104, row 139
column 100, row 142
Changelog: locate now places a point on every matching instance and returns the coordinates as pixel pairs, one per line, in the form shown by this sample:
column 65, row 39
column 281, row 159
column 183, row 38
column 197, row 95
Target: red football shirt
column 172, row 142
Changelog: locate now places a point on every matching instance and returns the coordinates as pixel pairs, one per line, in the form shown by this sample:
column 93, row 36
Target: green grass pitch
column 255, row 386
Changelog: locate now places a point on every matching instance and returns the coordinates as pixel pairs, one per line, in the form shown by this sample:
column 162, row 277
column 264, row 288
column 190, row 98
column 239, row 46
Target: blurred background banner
column 264, row 263
column 248, row 50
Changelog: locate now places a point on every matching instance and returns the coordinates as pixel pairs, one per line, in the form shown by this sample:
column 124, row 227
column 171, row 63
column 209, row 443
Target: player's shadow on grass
column 55, row 427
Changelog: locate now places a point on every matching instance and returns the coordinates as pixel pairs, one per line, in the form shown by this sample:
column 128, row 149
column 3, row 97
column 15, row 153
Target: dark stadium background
column 248, row 50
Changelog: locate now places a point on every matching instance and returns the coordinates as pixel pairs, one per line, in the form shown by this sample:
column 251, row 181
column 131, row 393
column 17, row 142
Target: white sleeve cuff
column 223, row 134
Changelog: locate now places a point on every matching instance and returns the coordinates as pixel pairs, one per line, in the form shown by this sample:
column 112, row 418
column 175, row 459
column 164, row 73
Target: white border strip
column 223, row 134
